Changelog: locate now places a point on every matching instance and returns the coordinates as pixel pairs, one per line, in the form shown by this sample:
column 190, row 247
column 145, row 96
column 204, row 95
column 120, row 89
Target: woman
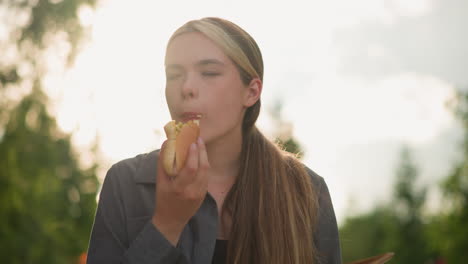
column 239, row 198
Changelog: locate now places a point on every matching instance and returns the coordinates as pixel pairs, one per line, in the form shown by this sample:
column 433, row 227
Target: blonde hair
column 272, row 204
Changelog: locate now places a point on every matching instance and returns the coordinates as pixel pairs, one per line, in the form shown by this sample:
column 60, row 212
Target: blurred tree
column 449, row 230
column 368, row 234
column 411, row 242
column 47, row 200
column 284, row 131
column 33, row 31
column 395, row 227
column 442, row 238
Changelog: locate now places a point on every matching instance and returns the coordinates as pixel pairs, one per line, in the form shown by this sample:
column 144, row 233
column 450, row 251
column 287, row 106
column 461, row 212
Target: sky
column 358, row 80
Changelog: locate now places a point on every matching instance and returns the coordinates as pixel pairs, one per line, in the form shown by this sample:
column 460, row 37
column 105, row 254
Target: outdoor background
column 372, row 93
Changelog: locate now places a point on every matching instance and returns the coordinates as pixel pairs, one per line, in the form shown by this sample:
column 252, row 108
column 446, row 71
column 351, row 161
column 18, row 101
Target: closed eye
column 210, row 74
column 173, row 76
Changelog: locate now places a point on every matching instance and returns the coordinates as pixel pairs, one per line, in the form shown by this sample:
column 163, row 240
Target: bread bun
column 180, row 136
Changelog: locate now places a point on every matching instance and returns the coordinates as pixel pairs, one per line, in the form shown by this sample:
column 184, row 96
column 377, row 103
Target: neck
column 224, row 156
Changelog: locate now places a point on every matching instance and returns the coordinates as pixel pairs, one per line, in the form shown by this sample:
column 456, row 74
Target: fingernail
column 193, row 146
column 200, row 141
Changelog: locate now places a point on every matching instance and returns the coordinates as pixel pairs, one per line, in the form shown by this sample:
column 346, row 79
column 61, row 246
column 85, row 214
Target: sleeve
column 326, row 237
column 109, row 242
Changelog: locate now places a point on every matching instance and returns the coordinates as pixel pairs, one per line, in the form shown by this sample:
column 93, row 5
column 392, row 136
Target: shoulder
column 317, row 181
column 321, row 189
column 326, row 235
column 298, row 166
column 140, row 168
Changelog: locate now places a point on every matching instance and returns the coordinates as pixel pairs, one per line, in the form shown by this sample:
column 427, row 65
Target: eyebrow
column 209, row 61
column 199, row 63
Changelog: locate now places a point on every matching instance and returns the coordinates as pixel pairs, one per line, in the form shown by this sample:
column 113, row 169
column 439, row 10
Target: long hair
column 272, row 204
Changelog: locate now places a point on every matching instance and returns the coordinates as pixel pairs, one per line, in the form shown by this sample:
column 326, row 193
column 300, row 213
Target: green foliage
column 46, row 18
column 402, row 227
column 407, row 198
column 290, row 145
column 284, row 138
column 449, row 230
column 407, row 206
column 47, row 201
column 396, row 227
column 369, row 234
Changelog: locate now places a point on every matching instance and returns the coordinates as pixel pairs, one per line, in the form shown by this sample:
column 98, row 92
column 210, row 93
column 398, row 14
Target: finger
column 189, row 171
column 161, row 175
column 203, row 163
column 201, row 181
column 203, row 155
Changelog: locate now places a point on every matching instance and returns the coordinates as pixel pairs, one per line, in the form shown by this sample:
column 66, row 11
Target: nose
column 189, row 87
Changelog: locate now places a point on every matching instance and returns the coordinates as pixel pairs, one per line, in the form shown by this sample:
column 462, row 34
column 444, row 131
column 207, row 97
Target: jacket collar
column 147, row 167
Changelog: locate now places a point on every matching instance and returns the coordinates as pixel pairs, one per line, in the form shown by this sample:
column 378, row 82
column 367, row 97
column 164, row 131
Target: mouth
column 187, row 116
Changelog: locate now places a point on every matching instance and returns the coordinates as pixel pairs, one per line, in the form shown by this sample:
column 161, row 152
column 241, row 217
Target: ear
column 253, row 92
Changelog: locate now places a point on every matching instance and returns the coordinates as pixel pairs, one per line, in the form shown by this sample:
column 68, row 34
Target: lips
column 187, row 116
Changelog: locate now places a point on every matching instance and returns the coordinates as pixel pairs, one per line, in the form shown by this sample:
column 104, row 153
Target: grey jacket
column 123, row 231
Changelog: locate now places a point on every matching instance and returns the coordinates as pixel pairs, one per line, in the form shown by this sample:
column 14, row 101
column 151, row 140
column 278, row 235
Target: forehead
column 191, row 48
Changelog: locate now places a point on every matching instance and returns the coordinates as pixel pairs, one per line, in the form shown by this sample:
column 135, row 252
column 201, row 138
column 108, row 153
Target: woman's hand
column 178, row 198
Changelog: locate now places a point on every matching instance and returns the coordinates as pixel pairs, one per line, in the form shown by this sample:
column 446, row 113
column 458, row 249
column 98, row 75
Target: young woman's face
column 203, row 83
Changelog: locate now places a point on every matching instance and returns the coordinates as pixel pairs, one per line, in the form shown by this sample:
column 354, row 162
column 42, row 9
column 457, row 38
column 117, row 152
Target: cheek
column 225, row 112
column 171, row 99
column 226, row 99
